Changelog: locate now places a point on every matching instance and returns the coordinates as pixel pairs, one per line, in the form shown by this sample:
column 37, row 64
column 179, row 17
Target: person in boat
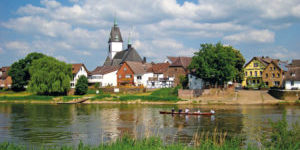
column 180, row 110
column 173, row 110
column 212, row 111
column 187, row 110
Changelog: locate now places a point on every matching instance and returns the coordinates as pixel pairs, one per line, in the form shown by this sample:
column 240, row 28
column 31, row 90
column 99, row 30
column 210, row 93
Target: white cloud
column 256, row 36
column 280, row 52
column 61, row 58
column 22, row 48
column 167, row 44
column 159, row 27
column 296, row 11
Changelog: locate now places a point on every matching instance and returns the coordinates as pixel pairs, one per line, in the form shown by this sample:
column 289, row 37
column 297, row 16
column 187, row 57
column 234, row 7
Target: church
column 106, row 75
column 116, row 54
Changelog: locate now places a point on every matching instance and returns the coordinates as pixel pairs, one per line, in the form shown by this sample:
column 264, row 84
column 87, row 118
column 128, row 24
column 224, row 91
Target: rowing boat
column 184, row 113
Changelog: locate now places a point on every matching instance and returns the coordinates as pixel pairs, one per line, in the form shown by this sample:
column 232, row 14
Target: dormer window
column 125, row 69
column 117, row 37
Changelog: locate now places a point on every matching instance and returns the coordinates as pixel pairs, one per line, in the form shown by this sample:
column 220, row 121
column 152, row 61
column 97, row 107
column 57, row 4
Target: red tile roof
column 139, row 68
column 76, row 68
column 104, row 69
column 160, row 68
column 182, row 62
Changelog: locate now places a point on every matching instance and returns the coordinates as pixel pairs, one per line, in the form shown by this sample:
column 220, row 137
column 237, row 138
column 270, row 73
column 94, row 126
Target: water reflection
column 93, row 124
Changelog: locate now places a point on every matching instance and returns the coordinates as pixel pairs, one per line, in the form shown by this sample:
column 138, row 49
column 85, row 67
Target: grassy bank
column 166, row 94
column 29, row 97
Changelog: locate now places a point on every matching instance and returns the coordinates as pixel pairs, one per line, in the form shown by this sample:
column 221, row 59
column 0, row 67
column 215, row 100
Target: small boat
column 184, row 113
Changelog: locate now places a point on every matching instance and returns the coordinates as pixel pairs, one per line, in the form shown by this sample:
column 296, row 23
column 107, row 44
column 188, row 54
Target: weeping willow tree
column 49, row 77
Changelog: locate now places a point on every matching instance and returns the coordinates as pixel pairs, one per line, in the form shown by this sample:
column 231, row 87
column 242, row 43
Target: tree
column 49, row 76
column 81, row 87
column 184, row 81
column 19, row 71
column 217, row 64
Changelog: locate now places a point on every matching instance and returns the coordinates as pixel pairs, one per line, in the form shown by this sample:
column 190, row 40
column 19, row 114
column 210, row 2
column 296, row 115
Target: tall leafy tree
column 81, row 87
column 217, row 64
column 49, row 76
column 19, row 71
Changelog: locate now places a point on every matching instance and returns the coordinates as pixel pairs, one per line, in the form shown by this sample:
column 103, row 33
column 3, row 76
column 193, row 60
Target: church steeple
column 115, row 41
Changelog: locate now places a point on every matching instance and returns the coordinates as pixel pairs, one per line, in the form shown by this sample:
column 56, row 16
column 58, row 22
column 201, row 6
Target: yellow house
column 253, row 71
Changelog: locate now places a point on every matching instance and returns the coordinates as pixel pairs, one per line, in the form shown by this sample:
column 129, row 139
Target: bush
column 281, row 136
column 81, row 86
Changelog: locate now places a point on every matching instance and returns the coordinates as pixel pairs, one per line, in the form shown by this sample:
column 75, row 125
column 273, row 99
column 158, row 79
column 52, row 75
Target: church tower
column 115, row 42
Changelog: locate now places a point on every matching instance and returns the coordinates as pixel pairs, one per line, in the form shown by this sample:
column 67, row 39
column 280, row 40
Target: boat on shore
column 184, row 113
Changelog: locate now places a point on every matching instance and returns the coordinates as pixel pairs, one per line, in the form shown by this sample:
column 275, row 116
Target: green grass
column 68, row 98
column 29, row 97
column 165, row 92
column 100, row 97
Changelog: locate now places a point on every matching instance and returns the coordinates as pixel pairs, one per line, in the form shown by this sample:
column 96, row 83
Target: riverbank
column 164, row 96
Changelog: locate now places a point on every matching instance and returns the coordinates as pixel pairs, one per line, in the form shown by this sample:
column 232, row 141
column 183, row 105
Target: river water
column 47, row 124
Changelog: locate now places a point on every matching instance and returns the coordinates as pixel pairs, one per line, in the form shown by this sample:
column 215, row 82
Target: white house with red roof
column 104, row 75
column 77, row 71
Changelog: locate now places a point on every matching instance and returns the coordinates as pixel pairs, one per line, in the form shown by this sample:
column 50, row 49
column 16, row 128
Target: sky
column 77, row 31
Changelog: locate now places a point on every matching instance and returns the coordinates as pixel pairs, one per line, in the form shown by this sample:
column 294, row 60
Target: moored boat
column 184, row 113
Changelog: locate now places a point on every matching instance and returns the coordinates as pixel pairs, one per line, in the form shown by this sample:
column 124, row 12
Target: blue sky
column 76, row 31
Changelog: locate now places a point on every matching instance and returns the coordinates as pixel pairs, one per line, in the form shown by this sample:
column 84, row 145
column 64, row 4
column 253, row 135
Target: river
column 47, row 124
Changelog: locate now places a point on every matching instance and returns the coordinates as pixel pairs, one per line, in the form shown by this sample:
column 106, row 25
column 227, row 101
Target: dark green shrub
column 81, row 86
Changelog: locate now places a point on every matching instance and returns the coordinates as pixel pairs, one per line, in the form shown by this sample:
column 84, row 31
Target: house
column 264, row 70
column 274, row 73
column 77, row 71
column 159, row 80
column 292, row 79
column 134, row 73
column 177, row 68
column 104, row 75
column 5, row 79
column 195, row 82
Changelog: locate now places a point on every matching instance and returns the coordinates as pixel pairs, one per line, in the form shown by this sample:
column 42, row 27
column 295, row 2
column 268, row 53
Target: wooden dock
column 76, row 101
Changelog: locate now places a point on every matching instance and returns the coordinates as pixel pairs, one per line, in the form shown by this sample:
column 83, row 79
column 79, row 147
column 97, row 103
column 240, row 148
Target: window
column 267, row 83
column 255, row 73
column 260, row 73
column 250, row 73
column 246, row 73
column 120, row 76
column 139, row 77
column 277, row 83
column 270, row 68
column 273, row 75
column 255, row 64
column 128, row 76
column 267, row 75
column 292, row 83
column 273, row 68
column 278, row 75
column 254, row 81
column 293, row 74
column 258, row 81
column 125, row 68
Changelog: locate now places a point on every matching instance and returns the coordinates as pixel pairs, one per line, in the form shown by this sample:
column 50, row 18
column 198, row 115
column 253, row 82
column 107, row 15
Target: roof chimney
column 144, row 60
